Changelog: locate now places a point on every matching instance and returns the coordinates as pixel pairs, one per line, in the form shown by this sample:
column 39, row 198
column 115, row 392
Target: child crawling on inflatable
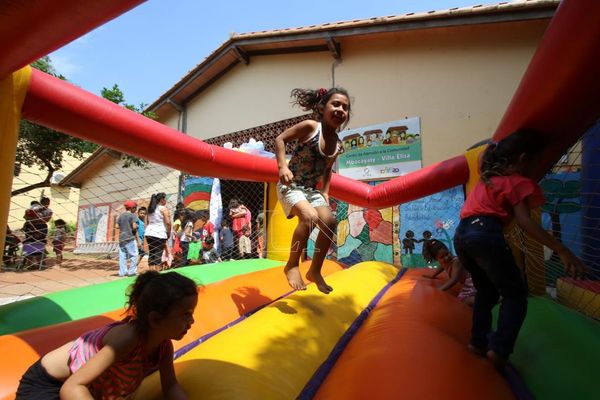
column 111, row 362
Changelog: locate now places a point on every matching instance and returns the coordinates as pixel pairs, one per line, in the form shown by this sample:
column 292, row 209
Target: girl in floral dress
column 311, row 164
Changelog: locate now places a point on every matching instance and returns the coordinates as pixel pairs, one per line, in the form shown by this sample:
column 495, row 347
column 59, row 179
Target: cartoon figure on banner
column 396, row 134
column 373, row 137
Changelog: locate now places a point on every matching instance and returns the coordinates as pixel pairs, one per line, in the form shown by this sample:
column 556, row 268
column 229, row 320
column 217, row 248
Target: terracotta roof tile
column 280, row 34
column 478, row 8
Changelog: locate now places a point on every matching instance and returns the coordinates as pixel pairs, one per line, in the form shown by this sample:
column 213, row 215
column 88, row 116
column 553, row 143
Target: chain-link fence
column 81, row 223
column 89, row 195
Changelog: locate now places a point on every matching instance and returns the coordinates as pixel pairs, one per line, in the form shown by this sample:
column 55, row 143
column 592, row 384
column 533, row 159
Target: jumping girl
column 317, row 148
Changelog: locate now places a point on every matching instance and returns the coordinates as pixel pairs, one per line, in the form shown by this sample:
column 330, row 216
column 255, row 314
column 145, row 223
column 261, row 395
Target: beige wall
column 459, row 81
column 63, row 201
column 113, row 183
column 172, row 119
column 255, row 94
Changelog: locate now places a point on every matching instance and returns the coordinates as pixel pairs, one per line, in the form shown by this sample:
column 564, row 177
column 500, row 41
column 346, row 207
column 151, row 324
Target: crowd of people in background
column 168, row 239
column 189, row 237
column 35, row 237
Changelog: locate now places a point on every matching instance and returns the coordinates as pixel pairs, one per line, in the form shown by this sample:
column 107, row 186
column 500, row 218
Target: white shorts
column 289, row 196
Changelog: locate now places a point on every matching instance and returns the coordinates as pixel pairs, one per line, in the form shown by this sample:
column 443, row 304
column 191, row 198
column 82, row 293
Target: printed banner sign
column 381, row 151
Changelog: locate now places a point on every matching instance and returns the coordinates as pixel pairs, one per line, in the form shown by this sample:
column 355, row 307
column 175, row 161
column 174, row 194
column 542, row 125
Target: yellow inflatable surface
column 274, row 353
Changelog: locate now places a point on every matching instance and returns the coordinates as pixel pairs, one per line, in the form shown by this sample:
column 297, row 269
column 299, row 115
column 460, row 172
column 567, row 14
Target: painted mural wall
column 432, row 217
column 385, row 235
column 96, row 223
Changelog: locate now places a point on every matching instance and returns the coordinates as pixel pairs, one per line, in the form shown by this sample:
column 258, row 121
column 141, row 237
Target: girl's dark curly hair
column 498, row 157
column 312, row 100
column 434, row 247
column 153, row 291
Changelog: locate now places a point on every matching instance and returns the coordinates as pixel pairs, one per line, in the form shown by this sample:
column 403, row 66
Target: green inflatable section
column 558, row 352
column 73, row 304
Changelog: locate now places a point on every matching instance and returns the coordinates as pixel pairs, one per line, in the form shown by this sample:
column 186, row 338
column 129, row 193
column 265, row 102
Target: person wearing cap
column 128, row 239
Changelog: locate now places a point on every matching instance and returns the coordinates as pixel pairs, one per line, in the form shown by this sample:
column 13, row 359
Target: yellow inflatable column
column 12, row 94
column 472, row 156
column 279, row 228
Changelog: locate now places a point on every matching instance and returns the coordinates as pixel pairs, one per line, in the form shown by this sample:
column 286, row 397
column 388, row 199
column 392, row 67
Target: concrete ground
column 71, row 273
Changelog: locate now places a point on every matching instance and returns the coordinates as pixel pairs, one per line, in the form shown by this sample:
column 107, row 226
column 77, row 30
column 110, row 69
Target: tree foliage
column 43, row 147
column 46, row 148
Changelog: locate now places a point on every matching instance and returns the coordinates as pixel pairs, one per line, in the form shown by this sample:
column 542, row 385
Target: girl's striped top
column 120, row 380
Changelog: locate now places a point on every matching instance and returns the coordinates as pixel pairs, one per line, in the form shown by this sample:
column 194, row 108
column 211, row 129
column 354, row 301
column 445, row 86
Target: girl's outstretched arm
column 438, row 271
column 118, row 343
column 300, row 132
column 457, row 273
column 573, row 265
column 168, row 380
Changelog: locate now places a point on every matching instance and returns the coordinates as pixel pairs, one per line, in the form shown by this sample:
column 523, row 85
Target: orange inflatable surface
column 218, row 304
column 410, row 347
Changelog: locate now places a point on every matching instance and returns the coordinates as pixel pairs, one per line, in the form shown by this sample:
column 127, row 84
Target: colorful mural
column 196, row 192
column 92, row 224
column 432, row 217
column 364, row 234
column 561, row 215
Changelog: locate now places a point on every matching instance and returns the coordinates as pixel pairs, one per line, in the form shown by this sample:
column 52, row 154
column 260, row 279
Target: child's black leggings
column 480, row 246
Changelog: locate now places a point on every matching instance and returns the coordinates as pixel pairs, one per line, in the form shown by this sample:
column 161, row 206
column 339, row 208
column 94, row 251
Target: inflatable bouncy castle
column 394, row 334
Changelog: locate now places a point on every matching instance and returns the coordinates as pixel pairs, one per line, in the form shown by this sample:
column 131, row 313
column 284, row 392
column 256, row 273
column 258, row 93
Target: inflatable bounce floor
column 383, row 333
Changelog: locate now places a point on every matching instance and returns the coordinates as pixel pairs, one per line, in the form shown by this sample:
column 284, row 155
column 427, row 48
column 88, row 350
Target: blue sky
column 147, row 50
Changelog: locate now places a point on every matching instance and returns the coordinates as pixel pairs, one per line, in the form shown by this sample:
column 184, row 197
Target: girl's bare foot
column 317, row 278
column 497, row 360
column 477, row 350
column 294, row 277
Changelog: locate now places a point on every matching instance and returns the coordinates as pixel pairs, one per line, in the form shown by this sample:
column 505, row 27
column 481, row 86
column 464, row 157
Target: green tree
column 43, row 147
column 116, row 96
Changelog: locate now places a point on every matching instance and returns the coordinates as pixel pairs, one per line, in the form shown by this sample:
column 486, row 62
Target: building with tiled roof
column 456, row 70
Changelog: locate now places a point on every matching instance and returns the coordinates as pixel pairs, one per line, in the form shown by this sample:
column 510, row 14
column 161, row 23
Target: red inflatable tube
column 67, row 108
column 414, row 346
column 31, row 29
column 558, row 94
column 429, row 180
